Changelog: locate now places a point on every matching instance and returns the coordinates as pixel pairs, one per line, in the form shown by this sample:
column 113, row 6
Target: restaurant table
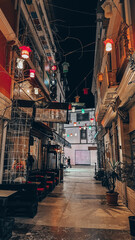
column 6, row 223
column 6, row 193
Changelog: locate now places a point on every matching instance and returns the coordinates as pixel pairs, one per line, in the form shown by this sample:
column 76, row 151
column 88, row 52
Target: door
column 82, row 157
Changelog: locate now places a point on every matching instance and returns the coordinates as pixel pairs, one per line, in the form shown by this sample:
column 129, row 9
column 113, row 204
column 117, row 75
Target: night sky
column 73, row 29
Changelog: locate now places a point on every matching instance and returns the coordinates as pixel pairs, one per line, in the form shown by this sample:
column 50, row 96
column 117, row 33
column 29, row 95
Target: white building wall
column 72, row 135
column 80, row 147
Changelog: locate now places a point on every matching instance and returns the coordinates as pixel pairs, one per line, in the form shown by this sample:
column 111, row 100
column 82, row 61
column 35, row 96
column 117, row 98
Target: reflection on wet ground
column 76, row 209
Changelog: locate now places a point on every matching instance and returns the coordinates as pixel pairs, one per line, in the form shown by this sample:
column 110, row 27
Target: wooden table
column 6, row 193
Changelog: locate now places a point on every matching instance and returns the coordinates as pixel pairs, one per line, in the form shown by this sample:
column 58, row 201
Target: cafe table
column 6, row 193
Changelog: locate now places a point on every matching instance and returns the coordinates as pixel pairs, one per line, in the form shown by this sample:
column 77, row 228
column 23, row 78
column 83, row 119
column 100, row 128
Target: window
column 83, row 134
column 82, row 117
column 121, row 45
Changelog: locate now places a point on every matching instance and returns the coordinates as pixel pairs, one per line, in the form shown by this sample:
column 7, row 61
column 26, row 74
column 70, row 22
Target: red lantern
column 32, row 73
column 92, row 119
column 85, row 91
column 70, row 106
column 108, row 45
column 54, row 68
column 25, row 52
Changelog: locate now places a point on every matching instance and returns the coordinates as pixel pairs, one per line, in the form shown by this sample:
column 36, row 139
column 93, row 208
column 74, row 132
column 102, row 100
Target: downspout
column 3, row 150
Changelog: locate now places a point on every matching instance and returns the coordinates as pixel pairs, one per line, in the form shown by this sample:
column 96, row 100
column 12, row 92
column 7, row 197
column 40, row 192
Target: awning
column 40, row 130
column 61, row 140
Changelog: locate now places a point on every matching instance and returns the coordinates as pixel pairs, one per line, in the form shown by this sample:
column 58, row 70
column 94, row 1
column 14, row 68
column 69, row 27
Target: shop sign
column 55, row 112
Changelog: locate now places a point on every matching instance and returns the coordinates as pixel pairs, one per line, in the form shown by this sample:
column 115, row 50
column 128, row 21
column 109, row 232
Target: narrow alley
column 76, row 209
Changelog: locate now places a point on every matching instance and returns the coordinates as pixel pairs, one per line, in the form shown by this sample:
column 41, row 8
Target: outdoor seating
column 6, row 223
column 41, row 184
column 24, row 202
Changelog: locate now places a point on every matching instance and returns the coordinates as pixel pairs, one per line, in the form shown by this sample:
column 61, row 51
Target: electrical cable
column 84, row 79
column 72, row 10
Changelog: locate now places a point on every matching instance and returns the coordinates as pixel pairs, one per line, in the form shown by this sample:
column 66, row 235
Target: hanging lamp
column 100, row 77
column 77, row 99
column 25, row 50
column 108, row 44
column 32, row 73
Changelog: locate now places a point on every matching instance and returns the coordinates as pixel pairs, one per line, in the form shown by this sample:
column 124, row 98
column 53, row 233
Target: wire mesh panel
column 17, row 145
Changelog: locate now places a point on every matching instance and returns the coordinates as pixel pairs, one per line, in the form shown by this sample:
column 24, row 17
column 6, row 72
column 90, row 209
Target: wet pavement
column 76, row 209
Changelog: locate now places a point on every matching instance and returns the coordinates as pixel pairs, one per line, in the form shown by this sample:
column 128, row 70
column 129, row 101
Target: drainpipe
column 3, row 150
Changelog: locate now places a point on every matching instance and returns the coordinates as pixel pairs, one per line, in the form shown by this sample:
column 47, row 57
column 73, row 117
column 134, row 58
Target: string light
column 83, row 111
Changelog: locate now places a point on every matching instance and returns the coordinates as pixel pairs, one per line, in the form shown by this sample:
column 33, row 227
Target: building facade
column 30, row 79
column 80, row 132
column 114, row 88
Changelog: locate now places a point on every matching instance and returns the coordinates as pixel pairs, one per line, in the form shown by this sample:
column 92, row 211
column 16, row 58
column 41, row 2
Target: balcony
column 107, row 94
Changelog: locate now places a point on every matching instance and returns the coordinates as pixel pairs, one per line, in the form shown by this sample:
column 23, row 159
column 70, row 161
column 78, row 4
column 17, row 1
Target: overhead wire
column 84, row 79
column 71, row 10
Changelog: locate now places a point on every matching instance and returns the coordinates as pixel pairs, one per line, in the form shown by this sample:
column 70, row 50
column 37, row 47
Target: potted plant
column 111, row 195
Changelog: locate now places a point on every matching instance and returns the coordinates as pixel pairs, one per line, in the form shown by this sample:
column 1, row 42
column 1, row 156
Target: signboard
column 47, row 111
column 53, row 112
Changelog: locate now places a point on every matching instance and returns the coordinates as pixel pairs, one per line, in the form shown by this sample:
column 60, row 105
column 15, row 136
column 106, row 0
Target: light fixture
column 100, row 77
column 108, row 44
column 90, row 127
column 92, row 119
column 84, row 127
column 28, row 91
column 36, row 91
column 74, row 124
column 75, row 134
column 73, row 109
column 71, row 134
column 54, row 68
column 65, row 66
column 85, row 91
column 25, row 50
column 20, row 63
column 77, row 99
column 32, row 73
column 83, row 111
column 53, row 81
column 80, row 128
column 67, row 135
column 70, row 106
